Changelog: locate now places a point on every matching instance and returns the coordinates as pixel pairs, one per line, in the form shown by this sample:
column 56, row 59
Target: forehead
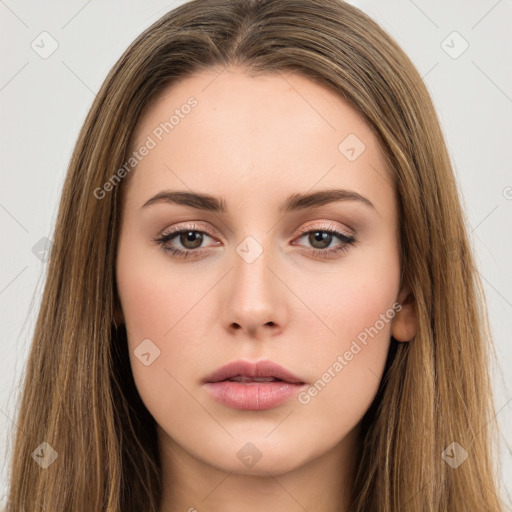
column 225, row 131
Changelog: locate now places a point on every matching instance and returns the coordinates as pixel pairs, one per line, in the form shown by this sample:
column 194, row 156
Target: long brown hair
column 79, row 395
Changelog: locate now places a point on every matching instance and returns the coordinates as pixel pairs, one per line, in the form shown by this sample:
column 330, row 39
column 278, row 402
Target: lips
column 252, row 386
column 246, row 371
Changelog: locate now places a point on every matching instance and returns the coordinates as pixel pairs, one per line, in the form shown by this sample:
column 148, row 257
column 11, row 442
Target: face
column 308, row 284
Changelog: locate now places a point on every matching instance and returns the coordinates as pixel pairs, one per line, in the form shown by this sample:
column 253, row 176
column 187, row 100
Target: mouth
column 252, row 386
column 248, row 371
column 252, row 380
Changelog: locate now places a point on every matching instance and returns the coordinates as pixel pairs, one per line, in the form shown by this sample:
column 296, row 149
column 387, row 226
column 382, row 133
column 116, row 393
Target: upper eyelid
column 327, row 226
column 322, row 226
column 190, row 227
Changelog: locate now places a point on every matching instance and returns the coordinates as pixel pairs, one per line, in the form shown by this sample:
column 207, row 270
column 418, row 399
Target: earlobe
column 405, row 324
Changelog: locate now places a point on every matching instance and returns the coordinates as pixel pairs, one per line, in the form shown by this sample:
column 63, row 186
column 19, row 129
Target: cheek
column 154, row 295
column 350, row 360
column 162, row 311
column 146, row 300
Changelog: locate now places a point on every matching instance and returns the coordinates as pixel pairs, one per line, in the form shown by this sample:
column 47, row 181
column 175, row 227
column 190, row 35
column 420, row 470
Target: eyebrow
column 295, row 202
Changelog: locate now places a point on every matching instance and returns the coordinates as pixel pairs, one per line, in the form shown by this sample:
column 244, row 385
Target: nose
column 254, row 301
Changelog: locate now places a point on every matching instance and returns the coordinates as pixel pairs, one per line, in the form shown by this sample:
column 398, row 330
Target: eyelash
column 163, row 239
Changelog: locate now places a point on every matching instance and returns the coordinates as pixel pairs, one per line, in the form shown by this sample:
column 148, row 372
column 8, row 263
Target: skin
column 254, row 141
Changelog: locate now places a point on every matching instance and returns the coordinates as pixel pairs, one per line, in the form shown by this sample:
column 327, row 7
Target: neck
column 322, row 484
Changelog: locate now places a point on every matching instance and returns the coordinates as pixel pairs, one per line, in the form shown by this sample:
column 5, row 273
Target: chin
column 258, row 455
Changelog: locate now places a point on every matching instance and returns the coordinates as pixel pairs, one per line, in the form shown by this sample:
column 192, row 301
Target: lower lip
column 253, row 396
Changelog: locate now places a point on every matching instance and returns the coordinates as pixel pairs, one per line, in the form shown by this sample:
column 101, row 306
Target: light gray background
column 44, row 102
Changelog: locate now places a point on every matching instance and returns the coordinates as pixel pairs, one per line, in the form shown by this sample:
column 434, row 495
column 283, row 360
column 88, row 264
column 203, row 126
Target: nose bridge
column 254, row 298
column 251, row 276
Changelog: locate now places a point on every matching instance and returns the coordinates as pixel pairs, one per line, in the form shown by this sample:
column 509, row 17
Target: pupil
column 322, row 237
column 192, row 237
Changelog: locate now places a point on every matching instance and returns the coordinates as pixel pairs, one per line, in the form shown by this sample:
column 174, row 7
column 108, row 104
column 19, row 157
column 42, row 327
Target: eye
column 191, row 239
column 321, row 238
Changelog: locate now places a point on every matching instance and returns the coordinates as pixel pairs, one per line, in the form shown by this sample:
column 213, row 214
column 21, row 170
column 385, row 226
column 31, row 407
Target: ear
column 405, row 323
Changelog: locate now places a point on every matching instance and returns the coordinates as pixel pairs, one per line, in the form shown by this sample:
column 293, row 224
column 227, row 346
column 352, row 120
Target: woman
column 326, row 350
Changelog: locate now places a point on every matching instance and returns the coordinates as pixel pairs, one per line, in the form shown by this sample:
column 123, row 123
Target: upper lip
column 252, row 369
